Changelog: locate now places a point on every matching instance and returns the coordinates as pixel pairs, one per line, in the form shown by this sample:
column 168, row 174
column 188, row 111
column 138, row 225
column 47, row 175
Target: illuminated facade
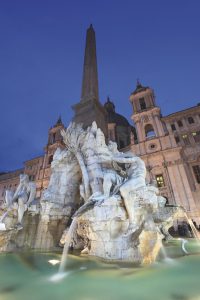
column 170, row 145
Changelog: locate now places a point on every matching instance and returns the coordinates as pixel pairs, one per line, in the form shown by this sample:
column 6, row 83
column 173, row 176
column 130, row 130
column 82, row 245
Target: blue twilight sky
column 41, row 59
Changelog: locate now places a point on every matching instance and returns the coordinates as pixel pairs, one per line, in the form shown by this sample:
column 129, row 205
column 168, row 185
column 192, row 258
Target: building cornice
column 182, row 113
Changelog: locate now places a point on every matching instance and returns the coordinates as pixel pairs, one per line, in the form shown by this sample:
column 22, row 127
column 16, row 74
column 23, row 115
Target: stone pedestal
column 41, row 230
column 105, row 227
column 86, row 112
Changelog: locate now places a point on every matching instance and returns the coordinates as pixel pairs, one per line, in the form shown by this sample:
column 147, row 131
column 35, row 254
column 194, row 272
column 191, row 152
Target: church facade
column 169, row 145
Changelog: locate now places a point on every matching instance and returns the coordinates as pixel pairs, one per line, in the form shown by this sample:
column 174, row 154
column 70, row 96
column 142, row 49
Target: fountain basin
column 27, row 276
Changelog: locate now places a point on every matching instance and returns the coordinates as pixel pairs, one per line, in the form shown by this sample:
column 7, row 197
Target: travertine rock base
column 40, row 231
column 105, row 229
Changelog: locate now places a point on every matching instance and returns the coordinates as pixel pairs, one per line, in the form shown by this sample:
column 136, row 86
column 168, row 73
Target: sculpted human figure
column 65, row 179
column 136, row 174
column 94, row 170
column 113, row 175
column 165, row 217
column 24, row 195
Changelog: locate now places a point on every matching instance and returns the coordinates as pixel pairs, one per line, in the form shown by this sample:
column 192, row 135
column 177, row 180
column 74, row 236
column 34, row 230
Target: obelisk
column 89, row 108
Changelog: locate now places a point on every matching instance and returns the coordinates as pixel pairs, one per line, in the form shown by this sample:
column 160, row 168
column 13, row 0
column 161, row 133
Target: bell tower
column 55, row 140
column 146, row 115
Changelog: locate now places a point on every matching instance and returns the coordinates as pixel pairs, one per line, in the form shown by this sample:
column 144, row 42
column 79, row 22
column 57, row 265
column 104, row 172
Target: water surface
column 28, row 276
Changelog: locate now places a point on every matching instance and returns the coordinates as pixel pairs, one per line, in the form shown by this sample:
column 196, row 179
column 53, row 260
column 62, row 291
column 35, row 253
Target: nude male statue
column 24, row 195
column 113, row 175
column 136, row 174
column 135, row 179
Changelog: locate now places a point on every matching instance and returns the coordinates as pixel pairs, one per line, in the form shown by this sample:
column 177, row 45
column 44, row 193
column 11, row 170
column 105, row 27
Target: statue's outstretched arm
column 104, row 158
column 125, row 160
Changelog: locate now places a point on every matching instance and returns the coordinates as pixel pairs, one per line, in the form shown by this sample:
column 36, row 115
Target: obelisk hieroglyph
column 89, row 108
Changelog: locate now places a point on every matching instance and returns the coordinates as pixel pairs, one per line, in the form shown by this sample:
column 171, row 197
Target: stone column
column 174, row 186
column 139, row 132
column 159, row 126
column 186, row 186
column 181, row 188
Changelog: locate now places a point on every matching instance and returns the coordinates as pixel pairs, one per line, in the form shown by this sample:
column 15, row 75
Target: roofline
column 7, row 172
column 33, row 158
column 181, row 111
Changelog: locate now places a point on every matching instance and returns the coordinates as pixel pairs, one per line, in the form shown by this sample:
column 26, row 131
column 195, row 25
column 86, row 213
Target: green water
column 27, row 276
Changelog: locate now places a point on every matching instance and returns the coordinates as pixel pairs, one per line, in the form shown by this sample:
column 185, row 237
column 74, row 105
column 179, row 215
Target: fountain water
column 193, row 228
column 61, row 272
column 67, row 245
column 163, row 252
column 183, row 243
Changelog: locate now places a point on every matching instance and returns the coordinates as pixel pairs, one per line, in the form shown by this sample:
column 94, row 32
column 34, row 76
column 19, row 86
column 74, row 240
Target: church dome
column 114, row 117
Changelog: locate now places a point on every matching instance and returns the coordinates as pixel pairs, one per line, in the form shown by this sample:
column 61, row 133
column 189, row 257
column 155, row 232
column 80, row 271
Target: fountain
column 116, row 215
column 97, row 202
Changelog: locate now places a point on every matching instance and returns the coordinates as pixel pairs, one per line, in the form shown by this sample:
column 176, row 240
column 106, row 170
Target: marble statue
column 104, row 193
column 164, row 217
column 133, row 179
column 73, row 138
column 21, row 199
column 65, row 179
column 119, row 208
column 114, row 175
column 94, row 169
column 136, row 174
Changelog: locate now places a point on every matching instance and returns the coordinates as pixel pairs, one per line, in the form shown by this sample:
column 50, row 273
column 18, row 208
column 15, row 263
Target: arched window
column 149, row 131
column 142, row 103
column 53, row 138
column 180, row 123
column 190, row 120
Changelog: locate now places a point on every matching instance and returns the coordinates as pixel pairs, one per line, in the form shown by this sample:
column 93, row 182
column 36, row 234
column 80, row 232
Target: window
column 173, row 127
column 152, row 146
column 180, row 123
column 149, row 131
column 186, row 139
column 196, row 170
column 190, row 120
column 142, row 103
column 160, row 180
column 196, row 136
column 177, row 139
column 52, row 138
